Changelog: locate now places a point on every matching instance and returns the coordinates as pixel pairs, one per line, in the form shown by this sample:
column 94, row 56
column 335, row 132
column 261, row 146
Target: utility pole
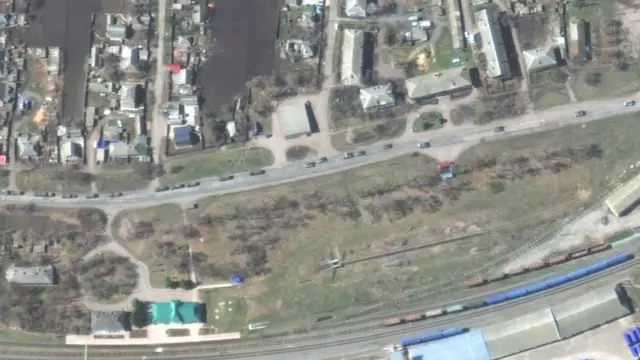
column 86, row 351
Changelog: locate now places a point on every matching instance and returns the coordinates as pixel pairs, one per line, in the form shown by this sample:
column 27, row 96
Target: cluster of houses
column 488, row 43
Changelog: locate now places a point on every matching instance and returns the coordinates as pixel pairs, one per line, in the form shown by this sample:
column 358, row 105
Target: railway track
column 229, row 350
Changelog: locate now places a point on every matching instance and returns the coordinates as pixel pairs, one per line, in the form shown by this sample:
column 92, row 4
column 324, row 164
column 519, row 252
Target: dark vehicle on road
column 387, row 146
column 226, row 177
column 44, row 194
column 193, row 184
column 361, row 153
column 498, row 129
column 580, row 113
column 115, row 195
column 69, row 196
column 310, row 164
column 423, row 145
column 14, row 193
column 348, row 155
column 93, row 196
column 630, row 103
column 162, row 188
column 322, row 160
column 257, row 172
column 178, row 186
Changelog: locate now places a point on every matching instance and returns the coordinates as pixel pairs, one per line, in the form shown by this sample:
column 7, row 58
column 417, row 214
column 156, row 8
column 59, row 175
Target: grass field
column 428, row 121
column 214, row 163
column 368, row 134
column 119, row 179
column 54, row 179
column 225, row 313
column 522, row 188
column 164, row 218
column 299, row 152
column 30, row 337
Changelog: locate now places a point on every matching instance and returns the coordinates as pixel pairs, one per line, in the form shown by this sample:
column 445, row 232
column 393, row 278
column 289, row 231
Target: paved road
column 465, row 136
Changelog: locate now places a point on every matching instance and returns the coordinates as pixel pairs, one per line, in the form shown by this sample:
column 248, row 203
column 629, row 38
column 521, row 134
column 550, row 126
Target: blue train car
column 410, row 341
column 431, row 336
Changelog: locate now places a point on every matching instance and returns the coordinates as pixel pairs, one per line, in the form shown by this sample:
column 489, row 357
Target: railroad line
column 262, row 348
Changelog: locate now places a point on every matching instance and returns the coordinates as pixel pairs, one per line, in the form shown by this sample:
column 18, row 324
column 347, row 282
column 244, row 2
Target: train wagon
column 393, row 321
column 475, row 282
column 557, row 259
column 434, row 313
column 578, row 254
column 413, row 317
column 516, row 271
column 454, row 308
column 598, row 248
column 536, row 265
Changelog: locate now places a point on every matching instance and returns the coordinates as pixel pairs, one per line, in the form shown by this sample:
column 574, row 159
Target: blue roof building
column 182, row 136
column 468, row 346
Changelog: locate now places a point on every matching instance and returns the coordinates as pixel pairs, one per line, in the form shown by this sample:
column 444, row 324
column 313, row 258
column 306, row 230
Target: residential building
column 355, row 8
column 28, row 146
column 437, row 84
column 541, row 58
column 578, row 39
column 117, row 32
column 492, row 44
column 30, row 275
column 53, row 60
column 300, row 49
column 95, row 57
column 129, row 97
column 352, row 52
column 109, row 322
column 138, row 149
column 377, row 97
column 129, row 57
column 176, row 312
column 181, row 136
column 72, row 150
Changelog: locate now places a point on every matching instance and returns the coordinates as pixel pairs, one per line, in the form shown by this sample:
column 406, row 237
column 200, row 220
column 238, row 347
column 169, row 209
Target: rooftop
column 434, row 84
column 468, row 346
column 352, row 48
column 492, row 43
column 377, row 96
column 625, row 197
column 31, row 275
column 176, row 312
column 355, row 8
column 541, row 58
column 294, row 120
column 109, row 322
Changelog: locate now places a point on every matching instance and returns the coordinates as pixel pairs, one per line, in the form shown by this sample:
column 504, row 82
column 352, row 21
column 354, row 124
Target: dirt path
column 158, row 126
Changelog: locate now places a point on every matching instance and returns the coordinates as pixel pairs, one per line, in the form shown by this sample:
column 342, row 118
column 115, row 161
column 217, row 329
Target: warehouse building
column 590, row 310
column 294, row 120
column 623, row 200
column 352, row 57
column 520, row 334
column 468, row 346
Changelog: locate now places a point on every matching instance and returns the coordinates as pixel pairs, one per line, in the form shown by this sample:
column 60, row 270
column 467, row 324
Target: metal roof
column 492, row 43
column 433, row 84
column 32, row 275
column 294, row 120
column 585, row 312
column 625, row 197
column 520, row 334
column 355, row 8
column 468, row 346
column 351, row 65
column 540, row 58
column 109, row 322
column 377, row 96
column 182, row 135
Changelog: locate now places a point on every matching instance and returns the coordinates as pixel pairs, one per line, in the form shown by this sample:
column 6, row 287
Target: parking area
column 244, row 34
column 67, row 24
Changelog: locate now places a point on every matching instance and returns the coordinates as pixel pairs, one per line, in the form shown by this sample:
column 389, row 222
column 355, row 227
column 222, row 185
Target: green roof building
column 176, row 312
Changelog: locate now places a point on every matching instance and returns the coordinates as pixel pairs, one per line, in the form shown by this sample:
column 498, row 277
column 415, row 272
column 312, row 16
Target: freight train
column 537, row 265
column 512, row 294
column 431, row 336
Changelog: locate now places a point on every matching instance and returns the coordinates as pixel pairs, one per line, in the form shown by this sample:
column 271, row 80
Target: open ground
column 244, row 36
column 282, row 237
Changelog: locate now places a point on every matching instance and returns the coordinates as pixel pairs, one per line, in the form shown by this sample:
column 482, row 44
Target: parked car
column 257, row 172
column 387, row 146
column 178, row 186
column 498, row 129
column 348, row 155
column 424, row 145
column 630, row 103
column 162, row 188
column 115, row 195
column 193, row 184
column 42, row 194
column 361, row 153
column 226, row 177
column 310, row 164
column 322, row 160
column 93, row 196
column 580, row 113
column 69, row 196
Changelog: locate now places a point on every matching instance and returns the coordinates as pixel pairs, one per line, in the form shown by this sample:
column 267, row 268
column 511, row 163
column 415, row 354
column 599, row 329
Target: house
column 28, row 146
column 109, row 322
column 95, row 57
column 377, row 97
column 492, row 43
column 541, row 58
column 116, row 32
column 578, row 39
column 300, row 49
column 181, row 136
column 442, row 83
column 53, row 60
column 138, row 149
column 72, row 150
column 30, row 275
column 129, row 57
column 129, row 97
column 355, row 8
column 352, row 52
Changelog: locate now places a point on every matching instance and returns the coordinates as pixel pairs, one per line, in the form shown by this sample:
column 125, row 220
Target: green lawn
column 30, row 337
column 428, row 121
column 368, row 134
column 227, row 314
column 194, row 166
column 612, row 84
column 445, row 54
column 118, row 178
column 546, row 96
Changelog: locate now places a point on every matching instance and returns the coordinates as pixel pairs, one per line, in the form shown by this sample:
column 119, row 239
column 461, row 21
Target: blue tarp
column 237, row 279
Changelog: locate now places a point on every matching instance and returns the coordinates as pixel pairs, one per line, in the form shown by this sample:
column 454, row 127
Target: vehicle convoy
column 512, row 294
